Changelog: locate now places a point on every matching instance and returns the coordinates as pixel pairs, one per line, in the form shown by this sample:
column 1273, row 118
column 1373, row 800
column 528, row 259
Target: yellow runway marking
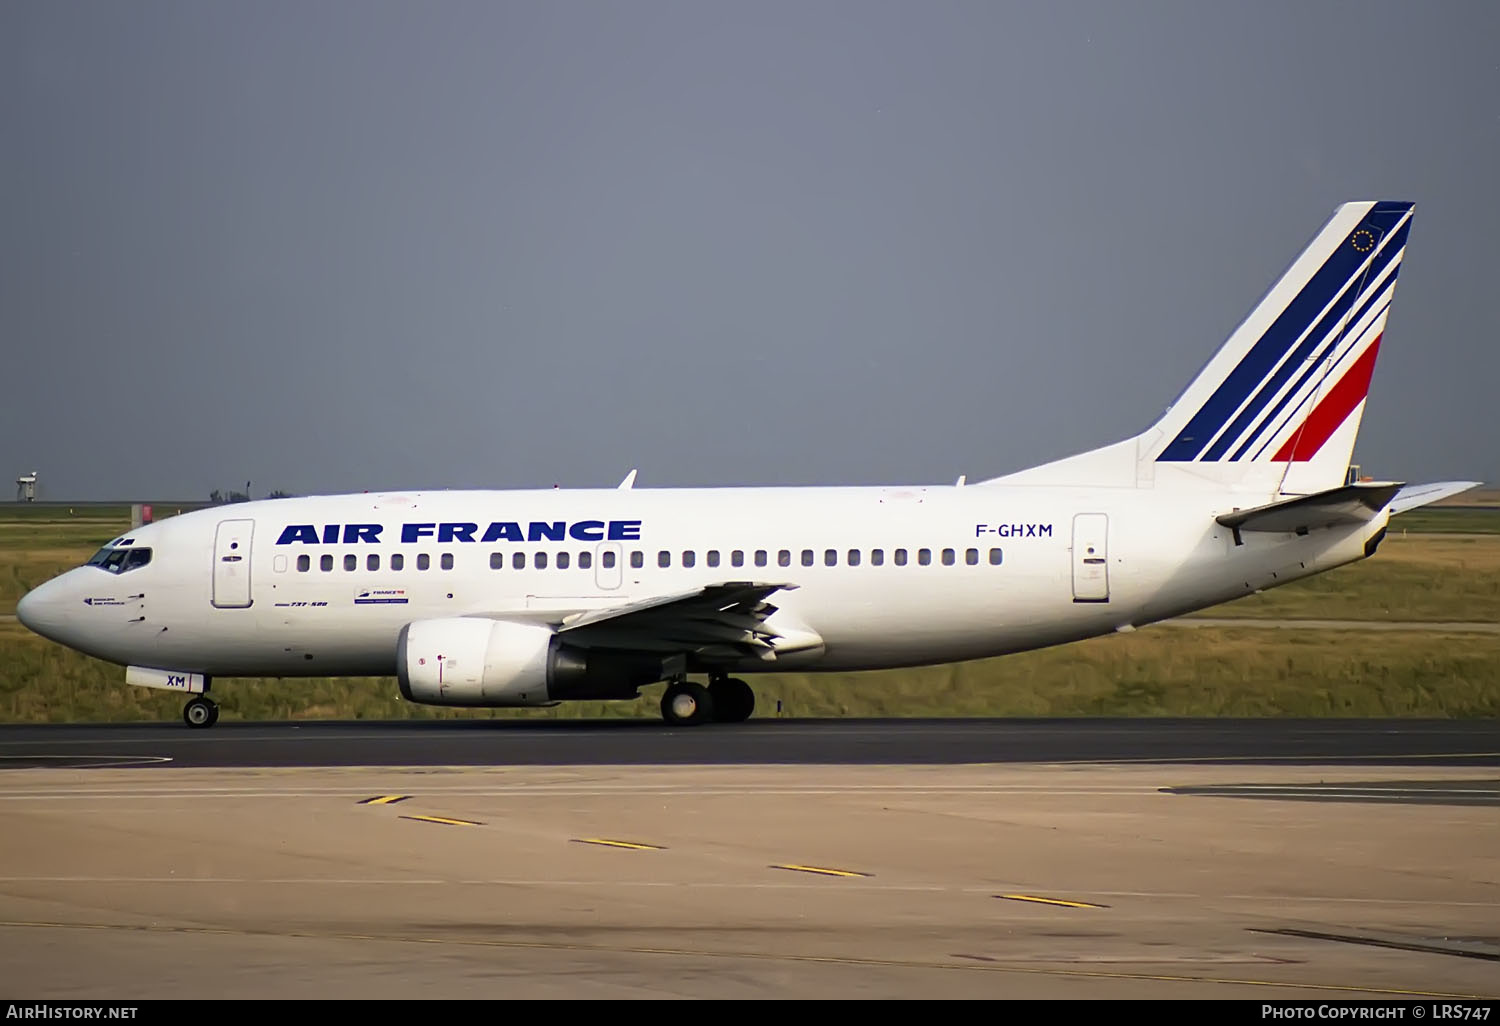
column 1049, row 901
column 619, row 844
column 444, row 819
column 820, row 870
column 386, row 799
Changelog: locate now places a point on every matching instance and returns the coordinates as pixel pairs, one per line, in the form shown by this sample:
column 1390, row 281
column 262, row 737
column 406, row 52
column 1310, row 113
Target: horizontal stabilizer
column 1337, row 507
column 1413, row 496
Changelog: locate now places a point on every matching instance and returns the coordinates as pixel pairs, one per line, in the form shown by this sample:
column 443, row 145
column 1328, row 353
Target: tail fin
column 1276, row 410
column 1279, row 406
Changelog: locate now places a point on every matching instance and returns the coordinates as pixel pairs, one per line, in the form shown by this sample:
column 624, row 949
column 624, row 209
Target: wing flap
column 724, row 621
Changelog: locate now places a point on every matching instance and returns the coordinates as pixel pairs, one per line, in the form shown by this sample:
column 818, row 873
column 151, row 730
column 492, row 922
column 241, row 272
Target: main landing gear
column 724, row 700
column 200, row 712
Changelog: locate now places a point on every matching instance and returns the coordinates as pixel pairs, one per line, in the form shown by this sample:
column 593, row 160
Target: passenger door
column 1091, row 557
column 232, row 564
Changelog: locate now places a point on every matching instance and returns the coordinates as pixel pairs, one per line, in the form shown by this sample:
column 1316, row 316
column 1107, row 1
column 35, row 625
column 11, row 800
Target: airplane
column 538, row 597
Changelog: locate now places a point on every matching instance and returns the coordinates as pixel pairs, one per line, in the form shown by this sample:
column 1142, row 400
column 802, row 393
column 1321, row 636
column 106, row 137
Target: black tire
column 734, row 700
column 200, row 714
column 687, row 704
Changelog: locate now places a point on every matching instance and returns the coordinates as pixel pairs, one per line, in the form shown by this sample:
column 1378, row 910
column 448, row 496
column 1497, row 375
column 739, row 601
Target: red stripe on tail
column 1335, row 408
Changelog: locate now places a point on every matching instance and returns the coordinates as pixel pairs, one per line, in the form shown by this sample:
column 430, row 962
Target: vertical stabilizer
column 1279, row 406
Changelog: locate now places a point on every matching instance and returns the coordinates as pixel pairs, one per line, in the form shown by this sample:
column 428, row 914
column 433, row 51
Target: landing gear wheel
column 733, row 700
column 687, row 704
column 200, row 713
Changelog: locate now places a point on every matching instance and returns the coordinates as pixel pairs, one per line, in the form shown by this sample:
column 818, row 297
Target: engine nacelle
column 472, row 661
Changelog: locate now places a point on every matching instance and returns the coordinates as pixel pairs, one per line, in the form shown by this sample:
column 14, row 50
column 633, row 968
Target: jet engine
column 472, row 661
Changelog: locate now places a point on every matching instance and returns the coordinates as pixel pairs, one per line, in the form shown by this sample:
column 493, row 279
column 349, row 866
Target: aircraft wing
column 1351, row 504
column 717, row 621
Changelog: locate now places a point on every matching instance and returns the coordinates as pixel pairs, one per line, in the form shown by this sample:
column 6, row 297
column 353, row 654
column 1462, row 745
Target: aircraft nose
column 41, row 609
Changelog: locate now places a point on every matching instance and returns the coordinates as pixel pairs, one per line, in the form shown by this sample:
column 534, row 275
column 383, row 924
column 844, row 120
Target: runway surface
column 1111, row 859
column 539, row 742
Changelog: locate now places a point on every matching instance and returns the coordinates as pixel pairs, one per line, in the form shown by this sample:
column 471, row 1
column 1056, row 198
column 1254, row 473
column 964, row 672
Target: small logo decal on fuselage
column 380, row 597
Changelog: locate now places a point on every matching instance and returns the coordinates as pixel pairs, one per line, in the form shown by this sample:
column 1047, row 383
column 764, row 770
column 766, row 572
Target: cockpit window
column 119, row 561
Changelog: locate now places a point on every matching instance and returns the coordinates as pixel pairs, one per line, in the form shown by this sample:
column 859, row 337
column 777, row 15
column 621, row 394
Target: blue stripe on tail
column 1314, row 340
column 1330, row 280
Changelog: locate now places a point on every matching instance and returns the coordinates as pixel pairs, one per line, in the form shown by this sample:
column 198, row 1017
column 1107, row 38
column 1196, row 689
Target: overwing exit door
column 1091, row 557
column 609, row 569
column 232, row 564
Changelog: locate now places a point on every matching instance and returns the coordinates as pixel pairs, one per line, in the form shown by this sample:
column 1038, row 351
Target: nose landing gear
column 200, row 713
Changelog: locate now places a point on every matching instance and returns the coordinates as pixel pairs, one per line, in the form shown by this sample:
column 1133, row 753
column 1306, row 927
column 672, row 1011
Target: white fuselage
column 253, row 611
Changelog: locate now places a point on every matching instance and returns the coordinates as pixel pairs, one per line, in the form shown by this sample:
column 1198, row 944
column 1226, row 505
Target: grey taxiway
column 934, row 859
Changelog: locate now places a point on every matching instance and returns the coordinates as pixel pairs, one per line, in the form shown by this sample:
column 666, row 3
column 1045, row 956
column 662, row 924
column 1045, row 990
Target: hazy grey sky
column 346, row 245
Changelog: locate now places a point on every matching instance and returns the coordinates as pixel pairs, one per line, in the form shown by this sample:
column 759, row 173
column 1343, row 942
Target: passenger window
column 854, row 557
column 304, row 564
column 397, row 561
column 608, row 559
column 372, row 561
column 518, row 561
column 447, row 561
column 326, row 562
column 351, row 561
column 995, row 557
column 563, row 559
column 877, row 557
column 663, row 558
column 539, row 561
column 899, row 557
column 737, row 558
column 637, row 559
column 924, row 557
column 971, row 557
column 760, row 557
column 423, row 561
column 497, row 561
column 949, row 557
column 830, row 557
column 807, row 557
column 784, row 558
column 585, row 560
column 689, row 557
column 713, row 557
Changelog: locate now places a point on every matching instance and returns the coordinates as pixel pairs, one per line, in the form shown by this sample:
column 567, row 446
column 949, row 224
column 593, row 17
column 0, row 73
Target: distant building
column 26, row 487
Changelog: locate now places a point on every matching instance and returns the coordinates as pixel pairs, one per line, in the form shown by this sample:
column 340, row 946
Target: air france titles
column 498, row 530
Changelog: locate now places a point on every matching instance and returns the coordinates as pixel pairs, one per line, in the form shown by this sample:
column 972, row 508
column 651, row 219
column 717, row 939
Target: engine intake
column 471, row 661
